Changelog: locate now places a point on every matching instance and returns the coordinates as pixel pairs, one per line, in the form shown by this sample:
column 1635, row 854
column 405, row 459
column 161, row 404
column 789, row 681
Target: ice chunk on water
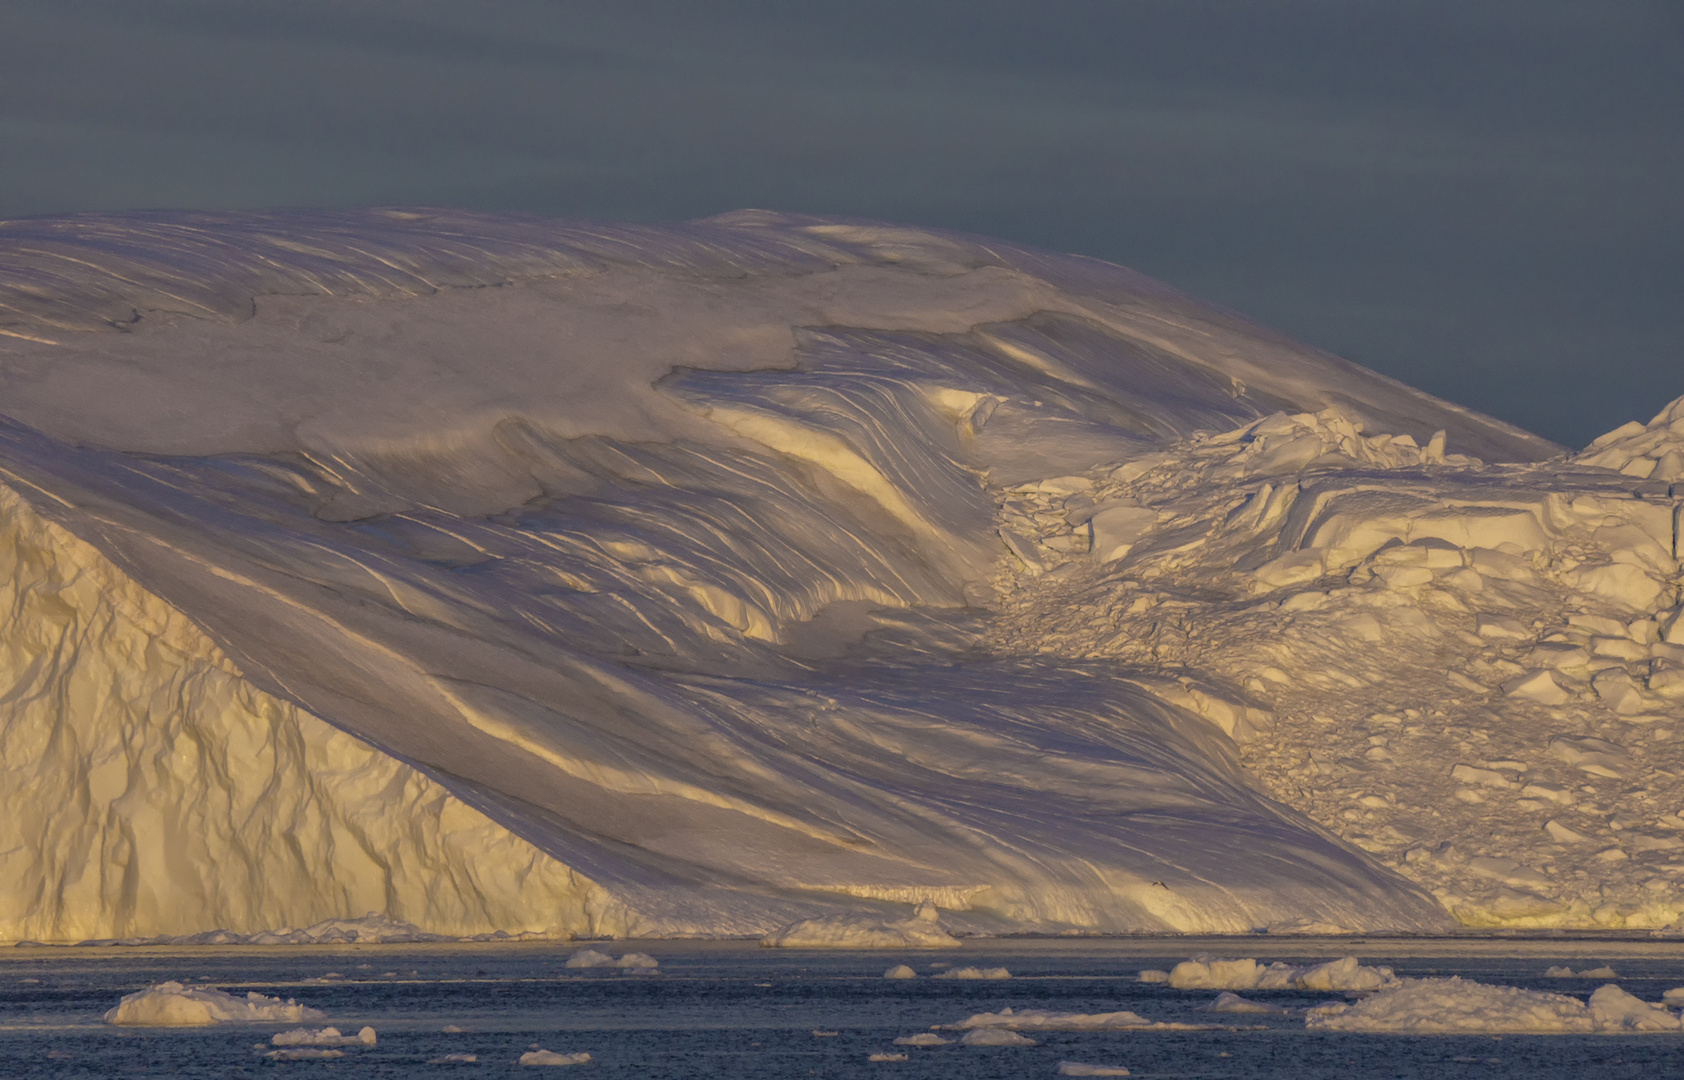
column 454, row 1059
column 1458, row 1005
column 328, row 1036
column 170, row 1004
column 1233, row 1003
column 303, row 1054
column 1613, row 1009
column 886, row 1057
column 1154, row 975
column 974, row 973
column 550, row 1057
column 900, row 971
column 1042, row 1020
column 595, row 958
column 923, row 1038
column 1081, row 1068
column 1346, row 973
column 1557, row 971
column 923, row 930
column 995, row 1036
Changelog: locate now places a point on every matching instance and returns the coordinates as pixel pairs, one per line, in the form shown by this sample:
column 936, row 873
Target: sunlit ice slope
column 669, row 559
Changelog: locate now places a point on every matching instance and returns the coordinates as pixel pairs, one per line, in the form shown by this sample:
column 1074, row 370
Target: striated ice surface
column 171, row 1004
column 775, row 576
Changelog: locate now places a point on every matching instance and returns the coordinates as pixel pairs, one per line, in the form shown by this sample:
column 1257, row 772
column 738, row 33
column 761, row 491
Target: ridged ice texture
column 656, row 545
column 146, row 788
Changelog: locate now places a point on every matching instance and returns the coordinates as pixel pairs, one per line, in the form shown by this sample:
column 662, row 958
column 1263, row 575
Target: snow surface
column 170, row 1004
column 504, row 574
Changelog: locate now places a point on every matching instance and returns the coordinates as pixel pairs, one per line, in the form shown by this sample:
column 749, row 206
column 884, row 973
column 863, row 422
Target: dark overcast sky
column 1480, row 198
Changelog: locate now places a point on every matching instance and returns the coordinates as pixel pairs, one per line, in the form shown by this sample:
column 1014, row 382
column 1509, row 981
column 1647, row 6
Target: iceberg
column 1346, row 973
column 170, row 1004
column 775, row 576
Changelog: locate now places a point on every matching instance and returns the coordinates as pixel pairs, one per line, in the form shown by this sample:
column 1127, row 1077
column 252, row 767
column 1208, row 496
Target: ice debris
column 595, row 958
column 328, row 1036
column 882, row 1058
column 551, row 1057
column 1082, row 1068
column 973, row 973
column 1009, row 1019
column 1208, row 973
column 900, row 971
column 1561, row 971
column 1442, row 1006
column 923, row 1038
column 303, row 1054
column 1233, row 1003
column 851, row 931
column 454, row 1059
column 995, row 1036
column 171, row 1004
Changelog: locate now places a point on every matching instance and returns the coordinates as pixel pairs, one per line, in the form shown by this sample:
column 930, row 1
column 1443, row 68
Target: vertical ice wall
column 147, row 788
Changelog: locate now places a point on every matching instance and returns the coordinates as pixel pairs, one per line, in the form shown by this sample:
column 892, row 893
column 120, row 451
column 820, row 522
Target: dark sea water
column 733, row 1009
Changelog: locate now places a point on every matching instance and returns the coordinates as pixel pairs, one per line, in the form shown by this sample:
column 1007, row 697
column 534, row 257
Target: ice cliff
column 503, row 573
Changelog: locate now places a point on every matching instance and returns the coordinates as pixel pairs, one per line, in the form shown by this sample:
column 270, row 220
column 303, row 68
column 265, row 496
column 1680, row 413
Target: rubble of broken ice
column 768, row 576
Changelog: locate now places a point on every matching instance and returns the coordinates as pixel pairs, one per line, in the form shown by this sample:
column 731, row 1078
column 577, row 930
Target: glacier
column 494, row 573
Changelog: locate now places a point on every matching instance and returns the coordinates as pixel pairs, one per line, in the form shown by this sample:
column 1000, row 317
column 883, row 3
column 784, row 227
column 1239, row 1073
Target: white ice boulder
column 900, row 971
column 170, row 1004
column 848, row 931
column 1540, row 685
column 1613, row 1009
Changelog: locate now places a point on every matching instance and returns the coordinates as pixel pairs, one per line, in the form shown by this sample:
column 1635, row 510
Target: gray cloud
column 1479, row 198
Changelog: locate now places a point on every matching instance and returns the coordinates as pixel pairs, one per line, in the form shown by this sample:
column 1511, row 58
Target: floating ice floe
column 1227, row 1002
column 1347, row 973
column 900, row 971
column 995, row 1036
column 973, row 973
column 328, row 1036
column 595, row 958
column 1082, row 1068
column 551, row 1057
column 1009, row 1019
column 848, row 931
column 1439, row 1006
column 886, row 1057
column 170, row 1004
column 303, row 1054
column 923, row 1038
column 454, row 1059
column 1154, row 975
column 1560, row 971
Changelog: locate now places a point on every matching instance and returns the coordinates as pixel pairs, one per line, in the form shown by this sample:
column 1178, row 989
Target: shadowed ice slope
column 672, row 550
